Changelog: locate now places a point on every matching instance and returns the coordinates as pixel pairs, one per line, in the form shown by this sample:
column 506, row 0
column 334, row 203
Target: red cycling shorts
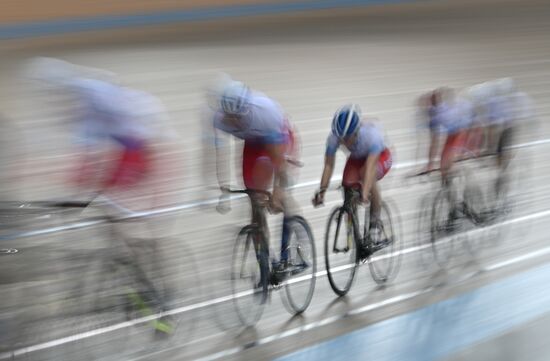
column 258, row 165
column 355, row 168
column 454, row 144
column 131, row 166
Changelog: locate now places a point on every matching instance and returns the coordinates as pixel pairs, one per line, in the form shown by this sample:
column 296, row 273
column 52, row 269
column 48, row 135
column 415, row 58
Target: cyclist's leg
column 504, row 155
column 382, row 168
column 353, row 173
column 257, row 173
column 289, row 205
column 474, row 140
column 133, row 165
column 454, row 143
column 257, row 167
column 503, row 152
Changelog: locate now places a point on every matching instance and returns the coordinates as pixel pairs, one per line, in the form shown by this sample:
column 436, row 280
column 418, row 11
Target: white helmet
column 235, row 98
column 61, row 73
column 479, row 93
column 504, row 86
column 215, row 88
column 49, row 70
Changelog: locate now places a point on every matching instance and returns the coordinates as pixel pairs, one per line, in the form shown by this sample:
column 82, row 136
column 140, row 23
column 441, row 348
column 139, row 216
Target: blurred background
column 488, row 302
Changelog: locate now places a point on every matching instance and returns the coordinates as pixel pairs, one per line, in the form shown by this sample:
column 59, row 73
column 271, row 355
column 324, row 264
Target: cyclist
column 369, row 159
column 452, row 116
column 269, row 142
column 507, row 109
column 477, row 95
column 107, row 114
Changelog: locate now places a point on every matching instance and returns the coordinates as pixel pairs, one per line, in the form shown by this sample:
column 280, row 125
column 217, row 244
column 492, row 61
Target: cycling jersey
column 509, row 109
column 130, row 118
column 264, row 123
column 451, row 118
column 369, row 141
column 110, row 112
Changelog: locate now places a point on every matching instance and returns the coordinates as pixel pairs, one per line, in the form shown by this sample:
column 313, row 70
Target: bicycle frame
column 352, row 198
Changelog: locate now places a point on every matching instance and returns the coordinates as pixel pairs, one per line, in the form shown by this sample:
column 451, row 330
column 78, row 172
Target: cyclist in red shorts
column 451, row 116
column 123, row 121
column 268, row 143
column 369, row 159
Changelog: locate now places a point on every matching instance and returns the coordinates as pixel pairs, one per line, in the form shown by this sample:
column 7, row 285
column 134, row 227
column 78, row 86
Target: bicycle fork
column 349, row 236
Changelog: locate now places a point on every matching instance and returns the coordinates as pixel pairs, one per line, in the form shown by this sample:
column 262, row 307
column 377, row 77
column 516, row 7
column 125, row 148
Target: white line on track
column 192, row 205
column 364, row 309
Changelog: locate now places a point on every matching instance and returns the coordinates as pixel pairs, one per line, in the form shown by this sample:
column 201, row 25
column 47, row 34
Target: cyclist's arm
column 370, row 173
column 328, row 169
column 434, row 146
column 277, row 155
column 222, row 160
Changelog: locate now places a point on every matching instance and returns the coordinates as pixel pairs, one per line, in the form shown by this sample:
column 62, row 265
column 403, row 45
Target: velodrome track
column 383, row 61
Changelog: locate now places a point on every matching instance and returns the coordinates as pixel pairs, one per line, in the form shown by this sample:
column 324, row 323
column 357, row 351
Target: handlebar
column 224, row 202
column 248, row 191
column 63, row 204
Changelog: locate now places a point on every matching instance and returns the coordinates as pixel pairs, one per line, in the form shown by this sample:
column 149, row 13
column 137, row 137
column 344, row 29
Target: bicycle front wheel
column 341, row 256
column 442, row 228
column 302, row 266
column 249, row 275
column 386, row 247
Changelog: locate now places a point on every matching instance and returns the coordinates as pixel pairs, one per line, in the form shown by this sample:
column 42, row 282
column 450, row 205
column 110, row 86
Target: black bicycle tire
column 423, row 230
column 298, row 310
column 396, row 252
column 434, row 212
column 340, row 292
column 246, row 231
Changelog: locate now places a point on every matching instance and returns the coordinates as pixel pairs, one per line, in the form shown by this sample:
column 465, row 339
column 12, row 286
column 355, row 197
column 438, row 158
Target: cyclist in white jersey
column 107, row 113
column 450, row 116
column 509, row 108
column 269, row 142
column 369, row 159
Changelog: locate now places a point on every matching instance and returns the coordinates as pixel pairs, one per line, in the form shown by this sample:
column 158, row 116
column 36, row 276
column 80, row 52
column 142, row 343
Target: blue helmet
column 234, row 99
column 346, row 120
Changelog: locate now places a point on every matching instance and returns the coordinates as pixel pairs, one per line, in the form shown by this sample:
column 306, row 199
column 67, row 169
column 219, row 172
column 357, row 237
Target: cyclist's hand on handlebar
column 319, row 198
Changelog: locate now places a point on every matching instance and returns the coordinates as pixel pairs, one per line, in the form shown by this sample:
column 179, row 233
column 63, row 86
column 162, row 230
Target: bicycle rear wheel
column 104, row 304
column 302, row 266
column 341, row 254
column 250, row 275
column 386, row 247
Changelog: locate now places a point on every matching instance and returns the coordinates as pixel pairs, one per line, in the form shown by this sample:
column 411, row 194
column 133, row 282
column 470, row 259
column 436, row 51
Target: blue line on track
column 446, row 327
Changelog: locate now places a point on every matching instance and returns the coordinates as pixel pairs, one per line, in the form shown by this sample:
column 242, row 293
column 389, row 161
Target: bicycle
column 460, row 198
column 252, row 275
column 360, row 246
column 116, row 289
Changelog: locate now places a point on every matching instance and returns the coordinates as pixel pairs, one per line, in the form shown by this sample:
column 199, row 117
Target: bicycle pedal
column 364, row 253
column 298, row 269
column 377, row 246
